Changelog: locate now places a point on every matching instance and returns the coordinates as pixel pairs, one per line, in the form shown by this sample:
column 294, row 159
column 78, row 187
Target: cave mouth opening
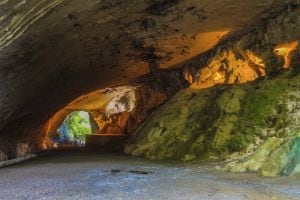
column 73, row 130
column 100, row 120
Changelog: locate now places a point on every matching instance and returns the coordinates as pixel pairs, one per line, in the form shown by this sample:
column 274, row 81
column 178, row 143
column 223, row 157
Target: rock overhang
column 52, row 53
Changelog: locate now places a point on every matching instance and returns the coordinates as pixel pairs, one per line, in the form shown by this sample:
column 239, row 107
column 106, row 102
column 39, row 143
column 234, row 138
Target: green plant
column 78, row 126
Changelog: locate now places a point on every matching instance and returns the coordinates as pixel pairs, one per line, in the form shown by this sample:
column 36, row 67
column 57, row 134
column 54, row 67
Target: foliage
column 77, row 126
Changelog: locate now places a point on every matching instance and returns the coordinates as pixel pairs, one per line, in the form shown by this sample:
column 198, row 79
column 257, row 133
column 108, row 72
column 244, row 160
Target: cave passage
column 150, row 99
column 97, row 120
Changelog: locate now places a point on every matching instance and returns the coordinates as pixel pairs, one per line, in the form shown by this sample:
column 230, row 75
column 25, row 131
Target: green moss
column 199, row 147
column 172, row 130
column 260, row 105
column 296, row 172
column 279, row 153
column 230, row 100
column 239, row 142
column 219, row 121
column 277, row 156
column 223, row 135
column 274, row 163
column 182, row 122
column 257, row 160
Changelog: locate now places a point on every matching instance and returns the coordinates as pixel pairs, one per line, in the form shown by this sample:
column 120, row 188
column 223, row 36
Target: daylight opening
column 74, row 129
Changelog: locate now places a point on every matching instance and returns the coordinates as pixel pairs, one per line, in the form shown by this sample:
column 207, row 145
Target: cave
column 74, row 130
column 149, row 99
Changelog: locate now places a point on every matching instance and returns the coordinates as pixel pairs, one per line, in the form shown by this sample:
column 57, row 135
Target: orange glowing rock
column 228, row 68
column 218, row 76
column 285, row 50
column 99, row 104
column 193, row 44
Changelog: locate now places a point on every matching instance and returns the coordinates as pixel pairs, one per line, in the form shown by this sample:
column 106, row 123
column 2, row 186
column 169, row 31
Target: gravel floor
column 91, row 176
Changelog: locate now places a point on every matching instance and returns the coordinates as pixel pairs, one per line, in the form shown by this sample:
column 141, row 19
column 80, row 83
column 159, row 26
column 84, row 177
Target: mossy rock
column 222, row 120
column 277, row 156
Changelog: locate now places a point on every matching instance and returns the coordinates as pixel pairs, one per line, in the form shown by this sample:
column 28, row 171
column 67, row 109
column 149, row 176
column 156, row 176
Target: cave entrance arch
column 107, row 115
column 74, row 129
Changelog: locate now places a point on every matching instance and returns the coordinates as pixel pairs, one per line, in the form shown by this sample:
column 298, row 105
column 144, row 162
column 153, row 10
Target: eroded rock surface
column 254, row 123
column 52, row 52
column 257, row 123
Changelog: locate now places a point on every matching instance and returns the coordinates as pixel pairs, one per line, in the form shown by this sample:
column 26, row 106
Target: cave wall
column 251, row 53
column 65, row 49
column 52, row 52
column 154, row 91
column 150, row 92
column 216, row 122
column 254, row 122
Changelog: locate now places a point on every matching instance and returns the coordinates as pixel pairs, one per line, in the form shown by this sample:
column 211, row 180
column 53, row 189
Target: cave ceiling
column 117, row 35
column 55, row 51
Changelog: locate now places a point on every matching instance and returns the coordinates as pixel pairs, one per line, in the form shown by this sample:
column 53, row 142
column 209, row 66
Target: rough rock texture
column 52, row 52
column 263, row 49
column 279, row 155
column 217, row 122
column 135, row 104
column 256, row 123
column 64, row 49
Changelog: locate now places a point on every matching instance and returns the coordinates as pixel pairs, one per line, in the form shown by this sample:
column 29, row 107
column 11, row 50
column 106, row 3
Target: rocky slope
column 255, row 125
column 217, row 122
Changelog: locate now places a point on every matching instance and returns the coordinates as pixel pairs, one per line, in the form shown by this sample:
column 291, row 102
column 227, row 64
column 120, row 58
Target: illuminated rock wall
column 261, row 50
column 229, row 112
column 118, row 110
column 53, row 52
column 224, row 122
column 230, row 67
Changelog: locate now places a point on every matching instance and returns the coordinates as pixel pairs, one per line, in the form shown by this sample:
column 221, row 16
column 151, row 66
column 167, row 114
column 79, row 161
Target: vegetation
column 76, row 126
column 227, row 120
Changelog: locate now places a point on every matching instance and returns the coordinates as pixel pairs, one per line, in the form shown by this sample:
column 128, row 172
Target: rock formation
column 254, row 123
column 210, row 80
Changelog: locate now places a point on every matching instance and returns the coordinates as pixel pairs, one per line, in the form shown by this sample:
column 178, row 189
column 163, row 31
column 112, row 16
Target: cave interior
column 164, row 80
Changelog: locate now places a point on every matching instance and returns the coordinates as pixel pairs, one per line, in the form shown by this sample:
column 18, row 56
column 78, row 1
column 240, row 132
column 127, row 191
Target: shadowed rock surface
column 55, row 51
column 232, row 121
column 212, row 79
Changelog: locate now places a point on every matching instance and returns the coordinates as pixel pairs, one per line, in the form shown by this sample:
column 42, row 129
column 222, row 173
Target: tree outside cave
column 74, row 129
